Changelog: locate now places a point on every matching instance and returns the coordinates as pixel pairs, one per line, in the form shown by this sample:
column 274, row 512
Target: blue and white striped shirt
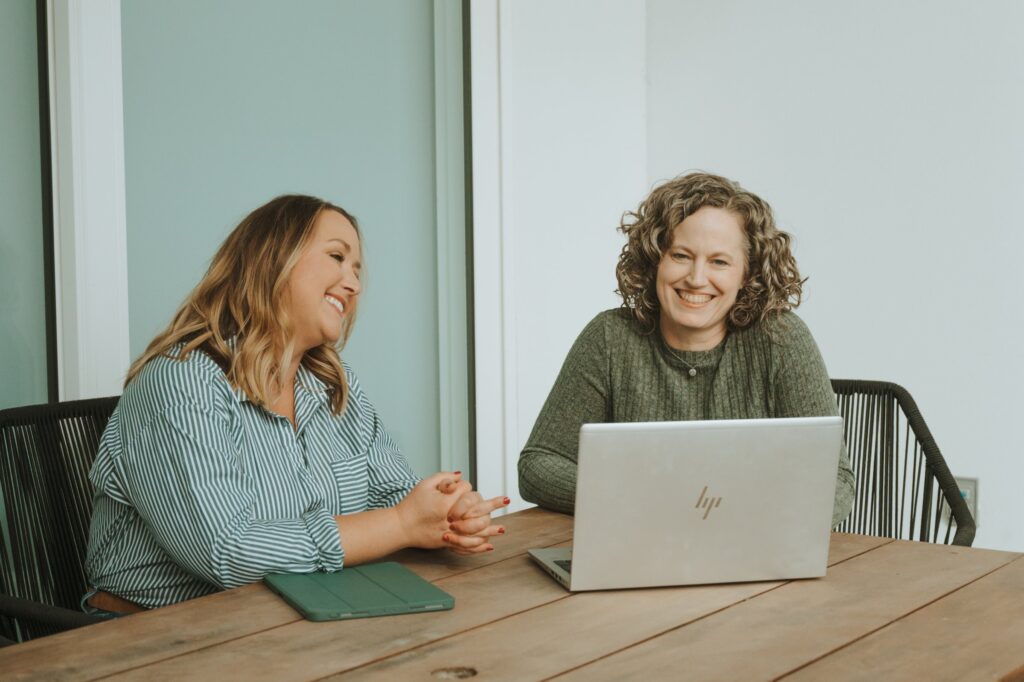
column 198, row 489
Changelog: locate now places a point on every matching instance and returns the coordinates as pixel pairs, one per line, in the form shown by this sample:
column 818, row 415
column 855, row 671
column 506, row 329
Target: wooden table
column 886, row 610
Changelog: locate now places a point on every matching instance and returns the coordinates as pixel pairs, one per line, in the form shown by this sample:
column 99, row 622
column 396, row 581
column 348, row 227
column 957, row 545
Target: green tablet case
column 359, row 592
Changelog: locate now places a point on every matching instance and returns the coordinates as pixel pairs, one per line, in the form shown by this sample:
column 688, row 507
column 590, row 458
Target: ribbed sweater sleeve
column 802, row 388
column 547, row 466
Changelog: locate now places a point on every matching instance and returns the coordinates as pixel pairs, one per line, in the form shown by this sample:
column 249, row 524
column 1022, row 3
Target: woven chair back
column 904, row 488
column 45, row 455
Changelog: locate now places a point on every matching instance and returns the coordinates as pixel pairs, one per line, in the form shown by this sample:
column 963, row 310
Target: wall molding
column 450, row 174
column 495, row 409
column 90, row 236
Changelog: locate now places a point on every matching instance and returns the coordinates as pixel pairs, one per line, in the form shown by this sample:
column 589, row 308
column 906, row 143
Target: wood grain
column 305, row 650
column 786, row 628
column 86, row 653
column 573, row 631
column 845, row 546
column 172, row 631
column 976, row 632
column 886, row 610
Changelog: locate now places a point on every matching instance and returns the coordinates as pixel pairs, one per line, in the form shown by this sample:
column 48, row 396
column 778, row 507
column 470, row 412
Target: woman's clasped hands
column 443, row 510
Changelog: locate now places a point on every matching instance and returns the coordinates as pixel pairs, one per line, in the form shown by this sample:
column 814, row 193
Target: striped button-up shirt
column 198, row 489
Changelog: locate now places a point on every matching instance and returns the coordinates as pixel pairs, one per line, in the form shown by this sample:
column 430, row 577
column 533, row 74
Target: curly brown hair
column 772, row 283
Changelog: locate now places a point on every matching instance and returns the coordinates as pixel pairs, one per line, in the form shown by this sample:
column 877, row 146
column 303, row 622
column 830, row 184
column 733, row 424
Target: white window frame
column 90, row 236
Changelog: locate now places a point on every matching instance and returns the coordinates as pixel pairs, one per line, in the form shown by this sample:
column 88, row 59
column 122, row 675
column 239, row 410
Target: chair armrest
column 65, row 619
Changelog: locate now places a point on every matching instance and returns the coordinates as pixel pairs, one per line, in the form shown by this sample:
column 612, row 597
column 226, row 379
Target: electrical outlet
column 969, row 491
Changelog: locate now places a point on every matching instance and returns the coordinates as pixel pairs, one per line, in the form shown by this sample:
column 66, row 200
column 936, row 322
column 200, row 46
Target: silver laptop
column 686, row 503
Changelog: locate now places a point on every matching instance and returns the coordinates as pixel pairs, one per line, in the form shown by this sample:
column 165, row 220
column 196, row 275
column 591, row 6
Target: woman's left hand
column 469, row 519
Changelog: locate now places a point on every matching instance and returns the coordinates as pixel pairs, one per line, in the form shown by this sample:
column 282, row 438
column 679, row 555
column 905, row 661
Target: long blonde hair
column 236, row 313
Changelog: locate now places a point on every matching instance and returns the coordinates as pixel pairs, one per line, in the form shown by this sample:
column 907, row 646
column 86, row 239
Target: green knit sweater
column 615, row 373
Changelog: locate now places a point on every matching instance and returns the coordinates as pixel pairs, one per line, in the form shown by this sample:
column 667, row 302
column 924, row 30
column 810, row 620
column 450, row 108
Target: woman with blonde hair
column 243, row 445
column 705, row 331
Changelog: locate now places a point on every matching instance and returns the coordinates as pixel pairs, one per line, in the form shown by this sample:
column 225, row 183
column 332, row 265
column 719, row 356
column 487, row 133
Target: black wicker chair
column 45, row 455
column 904, row 488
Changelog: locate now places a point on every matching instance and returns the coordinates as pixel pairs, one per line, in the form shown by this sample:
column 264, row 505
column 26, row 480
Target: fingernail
column 490, row 549
column 507, row 501
column 458, row 473
column 445, row 537
column 501, row 531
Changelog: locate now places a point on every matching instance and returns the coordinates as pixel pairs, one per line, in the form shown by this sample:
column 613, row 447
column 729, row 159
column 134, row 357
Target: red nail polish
column 507, row 501
column 445, row 537
column 501, row 531
column 458, row 473
column 490, row 549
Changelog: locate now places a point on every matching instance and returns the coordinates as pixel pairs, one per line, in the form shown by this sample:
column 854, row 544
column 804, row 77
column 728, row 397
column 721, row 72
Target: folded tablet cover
column 359, row 592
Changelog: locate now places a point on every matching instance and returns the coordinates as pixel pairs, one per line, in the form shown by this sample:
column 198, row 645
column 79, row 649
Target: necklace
column 690, row 369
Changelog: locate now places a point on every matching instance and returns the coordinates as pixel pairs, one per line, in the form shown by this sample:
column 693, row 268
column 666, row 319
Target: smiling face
column 699, row 276
column 323, row 288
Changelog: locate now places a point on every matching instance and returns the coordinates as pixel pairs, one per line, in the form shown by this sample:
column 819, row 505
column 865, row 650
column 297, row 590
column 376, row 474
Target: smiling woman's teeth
column 336, row 303
column 695, row 298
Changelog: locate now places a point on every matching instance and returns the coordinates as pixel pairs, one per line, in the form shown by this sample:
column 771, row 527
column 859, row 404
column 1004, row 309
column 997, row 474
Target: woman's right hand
column 471, row 530
column 423, row 513
column 440, row 511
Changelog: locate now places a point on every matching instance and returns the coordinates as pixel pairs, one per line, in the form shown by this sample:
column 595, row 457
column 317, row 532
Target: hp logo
column 706, row 502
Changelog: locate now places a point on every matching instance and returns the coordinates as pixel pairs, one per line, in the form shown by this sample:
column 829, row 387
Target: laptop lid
column 682, row 503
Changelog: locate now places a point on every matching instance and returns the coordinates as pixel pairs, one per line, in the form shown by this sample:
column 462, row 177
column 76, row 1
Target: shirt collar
column 304, row 378
column 312, row 384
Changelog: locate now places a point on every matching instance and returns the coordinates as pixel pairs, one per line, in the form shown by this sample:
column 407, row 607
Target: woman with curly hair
column 705, row 331
column 243, row 445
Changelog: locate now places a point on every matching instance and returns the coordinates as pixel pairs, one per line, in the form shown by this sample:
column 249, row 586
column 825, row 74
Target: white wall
column 889, row 139
column 558, row 154
column 886, row 135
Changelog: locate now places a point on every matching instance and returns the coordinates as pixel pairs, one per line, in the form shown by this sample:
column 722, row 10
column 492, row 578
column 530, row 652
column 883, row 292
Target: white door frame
column 492, row 299
column 450, row 200
column 90, row 237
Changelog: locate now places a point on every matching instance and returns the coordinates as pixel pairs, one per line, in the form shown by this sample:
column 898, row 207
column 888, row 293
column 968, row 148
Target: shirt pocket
column 342, row 455
column 351, row 480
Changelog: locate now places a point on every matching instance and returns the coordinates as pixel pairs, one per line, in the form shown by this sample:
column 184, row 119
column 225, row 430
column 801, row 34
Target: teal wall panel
column 22, row 277
column 230, row 103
